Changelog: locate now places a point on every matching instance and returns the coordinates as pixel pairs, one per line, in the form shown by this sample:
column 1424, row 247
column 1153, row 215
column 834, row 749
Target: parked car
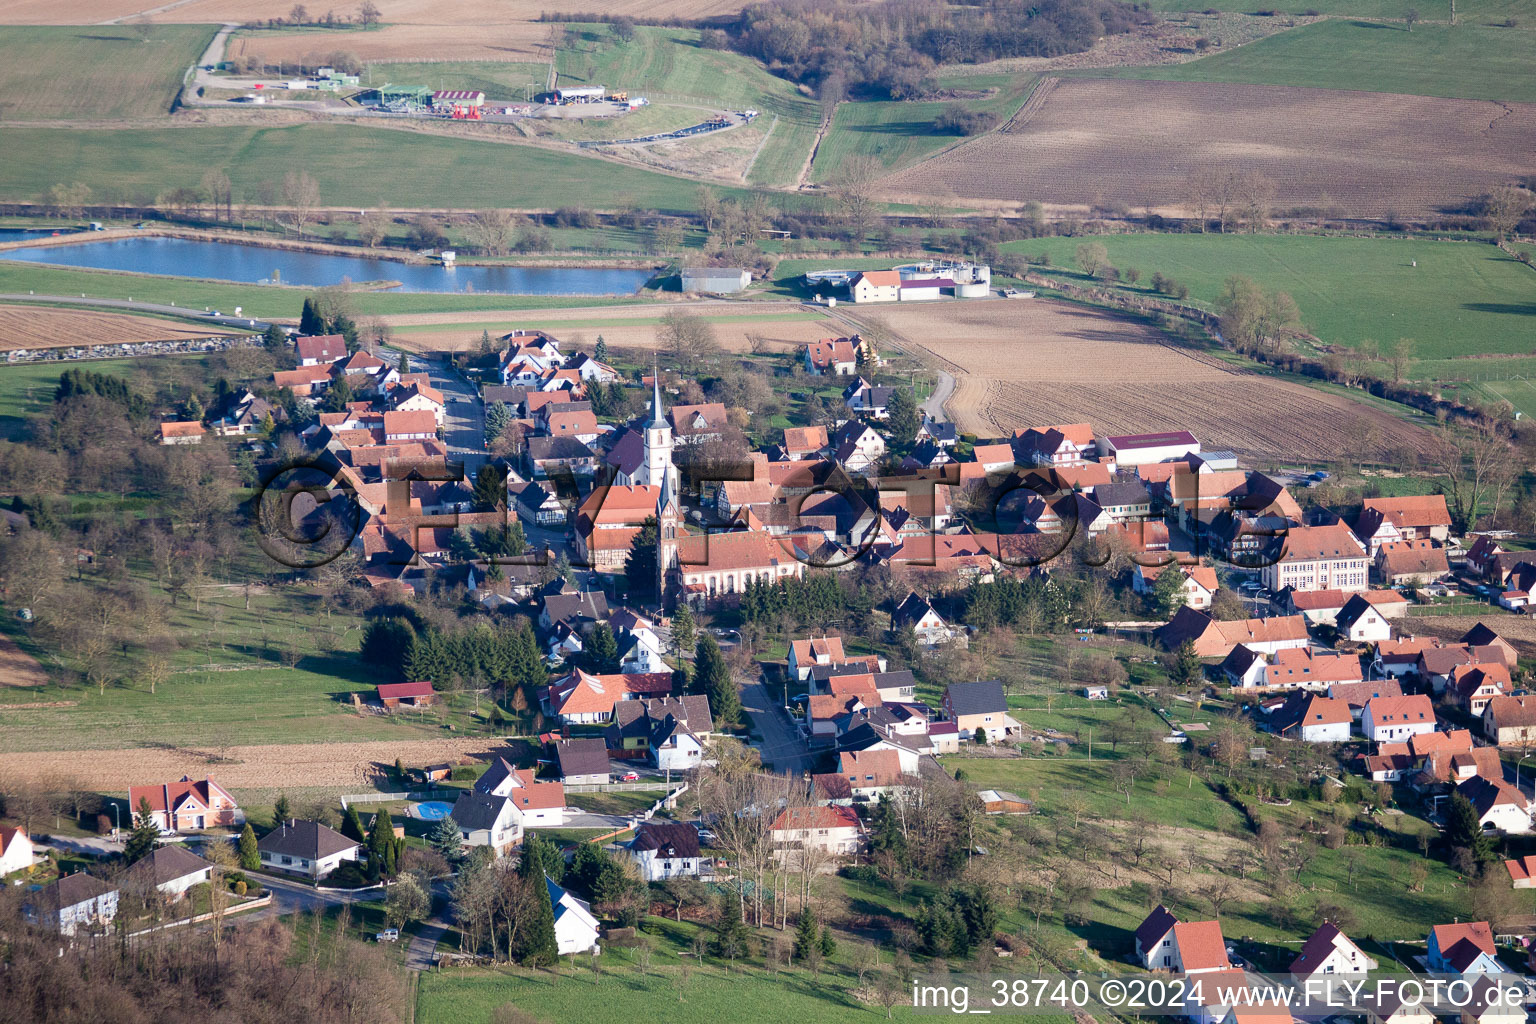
column 388, row 935
column 630, row 776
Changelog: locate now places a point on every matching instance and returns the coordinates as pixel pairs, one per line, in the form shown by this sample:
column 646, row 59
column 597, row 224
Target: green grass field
column 898, row 134
column 355, row 166
column 1466, row 62
column 97, row 71
column 667, row 66
column 1468, row 12
column 1463, row 298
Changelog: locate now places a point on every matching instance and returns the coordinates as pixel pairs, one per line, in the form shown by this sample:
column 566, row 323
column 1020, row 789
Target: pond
column 233, row 261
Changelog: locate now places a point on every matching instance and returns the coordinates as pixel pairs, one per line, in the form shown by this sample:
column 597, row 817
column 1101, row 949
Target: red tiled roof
column 1201, row 946
column 1418, row 511
column 182, row 428
column 401, row 691
column 533, row 795
column 816, row 818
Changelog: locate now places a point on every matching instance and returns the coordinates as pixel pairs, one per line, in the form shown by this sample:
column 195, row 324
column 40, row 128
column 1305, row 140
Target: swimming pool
column 432, row 810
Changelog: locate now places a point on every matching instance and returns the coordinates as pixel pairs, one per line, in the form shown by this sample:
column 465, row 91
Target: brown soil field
column 579, row 327
column 1023, row 363
column 1142, row 143
column 275, row 766
column 17, row 667
column 45, row 327
column 1519, row 630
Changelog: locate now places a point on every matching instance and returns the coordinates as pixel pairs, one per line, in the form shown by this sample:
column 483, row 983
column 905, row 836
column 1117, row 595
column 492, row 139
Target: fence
column 385, row 798
column 614, row 787
column 200, row 918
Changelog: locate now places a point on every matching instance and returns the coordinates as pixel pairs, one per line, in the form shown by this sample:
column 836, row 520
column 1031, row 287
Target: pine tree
column 806, row 935
column 684, row 632
column 1167, row 595
column 281, row 810
column 1464, row 831
column 902, row 419
column 828, row 943
column 405, row 364
column 602, row 649
column 490, row 489
column 541, row 858
column 713, row 679
column 145, row 835
column 250, row 857
column 600, row 350
column 1184, row 668
column 381, row 844
column 536, row 940
column 352, row 825
column 640, row 563
column 446, row 840
column 732, row 938
column 496, row 419
column 310, row 320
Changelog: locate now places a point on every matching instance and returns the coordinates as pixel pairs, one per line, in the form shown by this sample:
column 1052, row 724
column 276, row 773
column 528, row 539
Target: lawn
column 355, row 166
column 1463, row 298
column 97, row 71
column 1466, row 62
column 667, row 66
column 902, row 133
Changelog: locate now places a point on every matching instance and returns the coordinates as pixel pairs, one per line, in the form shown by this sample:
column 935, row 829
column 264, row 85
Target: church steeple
column 658, row 440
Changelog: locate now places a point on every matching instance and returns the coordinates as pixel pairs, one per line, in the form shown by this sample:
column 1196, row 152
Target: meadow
column 1469, row 61
column 668, row 66
column 902, row 133
column 1463, row 298
column 355, row 166
column 1468, row 12
column 100, row 71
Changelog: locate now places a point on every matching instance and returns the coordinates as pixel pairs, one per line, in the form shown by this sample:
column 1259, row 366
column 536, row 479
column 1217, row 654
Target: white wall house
column 666, row 849
column 306, row 848
column 15, row 850
column 1394, row 719
column 576, row 930
column 72, row 903
column 485, row 820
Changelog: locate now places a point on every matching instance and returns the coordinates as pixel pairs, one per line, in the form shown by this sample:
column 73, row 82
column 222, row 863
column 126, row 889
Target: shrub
column 240, row 888
column 955, row 119
column 462, row 774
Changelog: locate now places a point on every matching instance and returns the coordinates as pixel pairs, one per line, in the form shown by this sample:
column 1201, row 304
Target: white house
column 1362, row 621
column 876, row 286
column 833, row 829
column 1329, row 951
column 669, row 731
column 73, row 902
column 485, row 820
column 666, row 850
column 1500, row 806
column 305, row 848
column 171, row 870
column 540, row 804
column 1198, row 947
column 639, row 644
column 15, row 850
column 928, row 624
column 1154, row 940
column 1313, row 718
column 1393, row 719
column 1198, row 589
column 575, row 927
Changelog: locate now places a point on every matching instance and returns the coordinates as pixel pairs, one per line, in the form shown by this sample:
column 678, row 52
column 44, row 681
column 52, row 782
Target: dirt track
column 275, row 766
column 17, row 667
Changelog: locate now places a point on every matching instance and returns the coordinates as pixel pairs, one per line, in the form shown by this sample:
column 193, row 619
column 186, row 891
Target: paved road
column 933, row 406
column 463, row 418
column 133, row 306
column 782, row 744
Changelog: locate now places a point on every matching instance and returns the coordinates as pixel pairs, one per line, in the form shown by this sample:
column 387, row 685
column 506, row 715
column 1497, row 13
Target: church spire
column 657, row 418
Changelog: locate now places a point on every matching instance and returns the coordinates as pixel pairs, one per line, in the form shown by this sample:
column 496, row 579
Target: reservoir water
column 252, row 264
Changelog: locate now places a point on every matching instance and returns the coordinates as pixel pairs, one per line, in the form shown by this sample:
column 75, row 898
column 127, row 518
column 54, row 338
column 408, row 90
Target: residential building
column 15, row 850
column 980, row 705
column 73, row 902
column 666, row 850
column 1329, row 951
column 695, row 424
column 1389, row 719
column 1510, row 721
column 670, row 732
column 170, row 869
column 1500, row 806
column 1301, row 668
column 1199, row 586
column 824, row 650
column 609, row 520
column 1473, row 686
column 305, row 848
column 1363, row 619
column 918, row 614
column 876, row 286
column 181, row 432
column 1355, row 694
column 1312, row 718
column 1140, row 449
column 1463, row 948
column 1410, row 563
column 1154, row 940
column 487, row 820
column 867, row 400
column 539, row 804
column 832, row 357
column 1215, row 639
column 1198, row 948
column 321, row 349
column 576, row 930
column 582, row 762
column 1415, row 517
column 863, row 776
column 834, row 830
column 187, row 805
column 581, row 698
column 1318, row 607
column 1060, row 446
column 1318, row 558
column 1243, row 667
column 1522, row 872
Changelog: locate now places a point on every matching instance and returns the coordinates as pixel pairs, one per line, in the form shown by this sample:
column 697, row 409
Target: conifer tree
column 250, row 857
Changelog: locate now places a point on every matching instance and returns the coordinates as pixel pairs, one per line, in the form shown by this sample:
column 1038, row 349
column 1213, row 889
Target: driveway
column 782, row 745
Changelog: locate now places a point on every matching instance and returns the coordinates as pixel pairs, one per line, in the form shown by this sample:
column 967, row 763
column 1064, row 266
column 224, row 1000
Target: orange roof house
column 187, row 804
column 583, row 698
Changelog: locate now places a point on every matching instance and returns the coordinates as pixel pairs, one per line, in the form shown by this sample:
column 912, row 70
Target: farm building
column 1140, row 449
column 393, row 695
column 719, row 280
column 460, row 103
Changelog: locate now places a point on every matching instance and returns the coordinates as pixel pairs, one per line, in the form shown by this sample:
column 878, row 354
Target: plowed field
column 1030, row 362
column 44, row 327
column 1143, row 143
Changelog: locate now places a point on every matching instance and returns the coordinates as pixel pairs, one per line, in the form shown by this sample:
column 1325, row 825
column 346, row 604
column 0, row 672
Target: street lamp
column 117, row 825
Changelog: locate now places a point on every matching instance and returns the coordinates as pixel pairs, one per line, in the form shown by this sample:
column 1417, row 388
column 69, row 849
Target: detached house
column 980, row 705
column 171, row 870
column 666, row 850
column 1300, row 668
column 926, row 623
column 15, row 850
column 1154, row 940
column 825, row 650
column 669, row 732
column 1329, row 951
column 487, row 820
column 305, row 848
column 832, row 357
column 834, row 830
column 580, row 698
column 1410, row 563
column 1500, row 806
column 1465, row 948
column 1510, row 721
column 539, row 804
column 187, row 806
column 1199, row 586
column 1198, row 948
column 1313, row 718
column 1363, row 619
column 73, row 902
column 1418, row 517
column 576, row 930
column 866, row 399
